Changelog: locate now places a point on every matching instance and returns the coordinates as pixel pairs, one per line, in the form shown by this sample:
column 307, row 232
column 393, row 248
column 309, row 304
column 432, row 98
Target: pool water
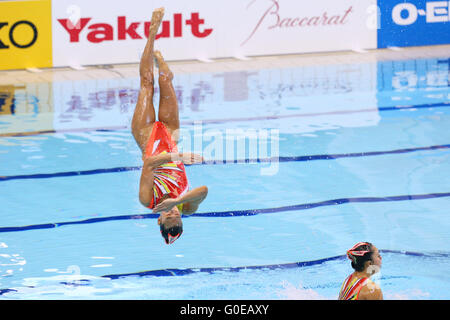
column 301, row 163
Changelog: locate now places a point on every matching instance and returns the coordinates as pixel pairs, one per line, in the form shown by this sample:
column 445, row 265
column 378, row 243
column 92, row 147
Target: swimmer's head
column 171, row 225
column 363, row 255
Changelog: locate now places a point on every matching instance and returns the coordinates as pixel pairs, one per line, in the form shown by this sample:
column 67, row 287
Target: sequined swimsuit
column 169, row 178
column 351, row 287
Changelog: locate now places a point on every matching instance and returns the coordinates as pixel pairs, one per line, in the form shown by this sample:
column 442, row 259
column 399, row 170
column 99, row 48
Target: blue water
column 353, row 153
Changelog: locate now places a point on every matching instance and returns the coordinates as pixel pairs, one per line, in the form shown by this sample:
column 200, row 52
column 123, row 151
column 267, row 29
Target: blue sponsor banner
column 405, row 23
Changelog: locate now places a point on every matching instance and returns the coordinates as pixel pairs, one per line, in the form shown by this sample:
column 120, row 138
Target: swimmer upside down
column 163, row 184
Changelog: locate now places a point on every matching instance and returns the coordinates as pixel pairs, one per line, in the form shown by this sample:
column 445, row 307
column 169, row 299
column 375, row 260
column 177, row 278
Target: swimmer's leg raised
column 144, row 113
column 168, row 104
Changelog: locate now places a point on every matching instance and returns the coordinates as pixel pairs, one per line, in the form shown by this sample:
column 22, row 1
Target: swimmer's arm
column 192, row 199
column 146, row 186
column 370, row 292
column 155, row 161
column 160, row 159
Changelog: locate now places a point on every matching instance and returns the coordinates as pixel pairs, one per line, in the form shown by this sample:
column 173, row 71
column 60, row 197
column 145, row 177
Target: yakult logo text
column 123, row 29
column 405, row 14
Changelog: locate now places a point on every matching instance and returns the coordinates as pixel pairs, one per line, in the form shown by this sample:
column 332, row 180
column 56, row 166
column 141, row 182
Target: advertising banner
column 101, row 32
column 45, row 33
column 25, row 34
column 413, row 23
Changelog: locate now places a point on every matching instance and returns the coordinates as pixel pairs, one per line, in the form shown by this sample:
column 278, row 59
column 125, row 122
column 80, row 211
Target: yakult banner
column 89, row 32
column 45, row 33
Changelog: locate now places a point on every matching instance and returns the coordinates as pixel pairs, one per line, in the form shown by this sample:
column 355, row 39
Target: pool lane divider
column 187, row 271
column 222, row 162
column 183, row 272
column 232, row 213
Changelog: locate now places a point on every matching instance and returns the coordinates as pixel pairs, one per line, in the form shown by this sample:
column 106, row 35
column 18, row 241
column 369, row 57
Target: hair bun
column 359, row 249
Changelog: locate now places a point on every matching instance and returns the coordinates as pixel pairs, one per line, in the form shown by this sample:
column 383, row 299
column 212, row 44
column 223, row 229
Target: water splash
column 292, row 292
column 411, row 294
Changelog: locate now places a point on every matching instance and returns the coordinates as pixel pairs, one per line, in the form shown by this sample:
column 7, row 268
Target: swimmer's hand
column 165, row 205
column 189, row 158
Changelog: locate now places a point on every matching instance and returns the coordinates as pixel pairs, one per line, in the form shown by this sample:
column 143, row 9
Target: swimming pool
column 302, row 163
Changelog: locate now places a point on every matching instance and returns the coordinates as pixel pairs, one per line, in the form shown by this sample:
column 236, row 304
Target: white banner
column 87, row 32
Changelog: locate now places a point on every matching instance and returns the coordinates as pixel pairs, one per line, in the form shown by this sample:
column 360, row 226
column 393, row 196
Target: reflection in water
column 235, row 85
column 109, row 103
column 84, row 107
column 7, row 100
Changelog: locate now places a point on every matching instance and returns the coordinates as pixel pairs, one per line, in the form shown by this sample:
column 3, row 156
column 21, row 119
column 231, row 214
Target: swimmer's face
column 170, row 218
column 374, row 265
column 376, row 257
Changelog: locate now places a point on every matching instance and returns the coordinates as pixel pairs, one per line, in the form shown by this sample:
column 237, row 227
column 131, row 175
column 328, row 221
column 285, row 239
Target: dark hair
column 359, row 261
column 173, row 231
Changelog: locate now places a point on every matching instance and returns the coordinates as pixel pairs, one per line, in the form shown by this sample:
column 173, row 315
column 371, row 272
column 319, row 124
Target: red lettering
column 334, row 20
column 74, row 30
column 294, row 22
column 302, row 21
column 100, row 32
column 285, row 20
column 100, row 29
column 313, row 21
column 165, row 27
column 147, row 25
column 346, row 14
column 177, row 25
column 275, row 12
column 165, row 30
column 325, row 18
column 123, row 30
column 195, row 22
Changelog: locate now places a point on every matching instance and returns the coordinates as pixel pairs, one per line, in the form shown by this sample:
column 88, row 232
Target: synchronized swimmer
column 163, row 184
column 366, row 261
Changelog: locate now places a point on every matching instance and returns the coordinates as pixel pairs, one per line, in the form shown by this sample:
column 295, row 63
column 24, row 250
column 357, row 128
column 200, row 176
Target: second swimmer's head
column 171, row 225
column 363, row 255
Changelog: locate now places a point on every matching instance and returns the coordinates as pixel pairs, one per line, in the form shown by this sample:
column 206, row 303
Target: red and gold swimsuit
column 351, row 287
column 169, row 178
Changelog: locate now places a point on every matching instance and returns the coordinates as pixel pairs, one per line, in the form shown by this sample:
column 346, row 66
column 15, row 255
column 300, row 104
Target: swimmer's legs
column 168, row 104
column 144, row 113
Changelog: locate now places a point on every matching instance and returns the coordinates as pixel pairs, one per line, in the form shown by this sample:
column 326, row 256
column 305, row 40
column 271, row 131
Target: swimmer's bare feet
column 146, row 63
column 158, row 58
column 157, row 17
column 162, row 65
